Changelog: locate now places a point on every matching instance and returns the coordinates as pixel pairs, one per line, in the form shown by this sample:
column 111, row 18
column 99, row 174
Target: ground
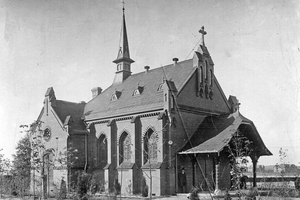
column 178, row 197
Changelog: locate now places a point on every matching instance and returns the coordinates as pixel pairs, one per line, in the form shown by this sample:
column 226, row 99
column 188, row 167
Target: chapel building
column 150, row 125
column 146, row 127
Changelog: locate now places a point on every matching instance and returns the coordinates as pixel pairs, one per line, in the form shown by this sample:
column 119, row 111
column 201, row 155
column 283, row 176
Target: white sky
column 70, row 45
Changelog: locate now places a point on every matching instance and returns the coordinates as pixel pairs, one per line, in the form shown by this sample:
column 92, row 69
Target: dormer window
column 138, row 91
column 160, row 87
column 115, row 96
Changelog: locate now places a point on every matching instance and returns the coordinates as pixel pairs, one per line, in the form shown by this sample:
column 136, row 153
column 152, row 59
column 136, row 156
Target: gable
column 188, row 98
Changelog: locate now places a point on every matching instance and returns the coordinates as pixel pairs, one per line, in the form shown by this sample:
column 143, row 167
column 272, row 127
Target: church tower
column 123, row 60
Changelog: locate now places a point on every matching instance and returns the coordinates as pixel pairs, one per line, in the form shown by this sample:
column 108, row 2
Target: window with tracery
column 124, row 148
column 102, row 151
column 150, row 147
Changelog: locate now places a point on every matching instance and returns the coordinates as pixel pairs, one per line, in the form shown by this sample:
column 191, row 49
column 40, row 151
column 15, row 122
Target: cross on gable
column 203, row 32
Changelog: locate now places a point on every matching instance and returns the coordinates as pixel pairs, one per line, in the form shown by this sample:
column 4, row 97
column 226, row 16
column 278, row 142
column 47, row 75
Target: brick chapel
column 149, row 126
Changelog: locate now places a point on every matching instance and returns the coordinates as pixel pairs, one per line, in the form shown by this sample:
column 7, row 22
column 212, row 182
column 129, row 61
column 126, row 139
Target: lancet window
column 124, row 148
column 150, row 146
column 206, row 70
column 102, row 150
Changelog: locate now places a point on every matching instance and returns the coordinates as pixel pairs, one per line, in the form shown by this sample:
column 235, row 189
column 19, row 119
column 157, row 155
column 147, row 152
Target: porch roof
column 216, row 132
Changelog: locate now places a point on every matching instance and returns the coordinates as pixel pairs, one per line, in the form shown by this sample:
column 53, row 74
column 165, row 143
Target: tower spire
column 123, row 60
column 123, row 53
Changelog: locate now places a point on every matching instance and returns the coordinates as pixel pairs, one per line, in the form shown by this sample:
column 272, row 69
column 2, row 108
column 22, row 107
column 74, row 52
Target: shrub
column 82, row 184
column 145, row 187
column 227, row 195
column 252, row 194
column 94, row 186
column 117, row 187
column 194, row 193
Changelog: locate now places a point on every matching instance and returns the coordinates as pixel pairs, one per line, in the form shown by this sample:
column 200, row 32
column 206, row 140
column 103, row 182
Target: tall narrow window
column 201, row 74
column 102, row 151
column 150, row 147
column 206, row 70
column 211, row 77
column 46, row 164
column 124, row 148
column 172, row 103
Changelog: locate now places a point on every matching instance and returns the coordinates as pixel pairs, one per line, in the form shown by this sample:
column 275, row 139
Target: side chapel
column 153, row 124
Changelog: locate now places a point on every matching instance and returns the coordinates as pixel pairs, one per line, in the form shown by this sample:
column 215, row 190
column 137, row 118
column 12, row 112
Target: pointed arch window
column 102, row 151
column 150, row 147
column 200, row 75
column 206, row 70
column 211, row 77
column 125, row 148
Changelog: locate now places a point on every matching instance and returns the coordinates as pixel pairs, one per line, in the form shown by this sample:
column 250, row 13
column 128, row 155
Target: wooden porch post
column 254, row 162
column 217, row 168
column 193, row 159
column 176, row 173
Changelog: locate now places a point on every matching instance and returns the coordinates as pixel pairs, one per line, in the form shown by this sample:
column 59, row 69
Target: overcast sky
column 70, row 45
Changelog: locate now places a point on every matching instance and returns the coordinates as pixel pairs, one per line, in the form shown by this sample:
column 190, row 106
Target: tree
column 21, row 166
column 5, row 167
column 239, row 151
column 36, row 151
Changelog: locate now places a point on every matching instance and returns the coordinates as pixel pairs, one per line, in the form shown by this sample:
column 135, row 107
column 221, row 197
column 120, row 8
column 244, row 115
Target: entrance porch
column 205, row 157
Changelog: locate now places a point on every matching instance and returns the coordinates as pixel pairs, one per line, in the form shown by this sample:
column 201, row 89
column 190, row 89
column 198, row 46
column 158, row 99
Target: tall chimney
column 96, row 91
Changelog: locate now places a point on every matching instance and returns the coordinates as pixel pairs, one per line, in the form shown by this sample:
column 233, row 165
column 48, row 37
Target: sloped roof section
column 216, row 132
column 70, row 110
column 150, row 99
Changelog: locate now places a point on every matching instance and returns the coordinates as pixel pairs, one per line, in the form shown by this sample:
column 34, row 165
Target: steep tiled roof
column 65, row 109
column 150, row 99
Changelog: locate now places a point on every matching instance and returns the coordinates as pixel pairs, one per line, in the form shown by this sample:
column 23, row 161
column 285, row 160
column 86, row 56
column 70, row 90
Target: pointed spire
column 123, row 60
column 123, row 53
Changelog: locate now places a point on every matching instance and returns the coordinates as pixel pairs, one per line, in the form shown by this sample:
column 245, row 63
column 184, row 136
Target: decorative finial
column 203, row 32
column 123, row 2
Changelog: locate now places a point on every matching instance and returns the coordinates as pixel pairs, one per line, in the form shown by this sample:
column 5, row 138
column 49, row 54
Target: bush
column 227, row 195
column 252, row 194
column 94, row 186
column 117, row 187
column 145, row 188
column 194, row 194
column 82, row 184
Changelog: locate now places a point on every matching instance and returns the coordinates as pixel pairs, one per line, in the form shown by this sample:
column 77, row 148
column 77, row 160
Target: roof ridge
column 68, row 101
column 161, row 67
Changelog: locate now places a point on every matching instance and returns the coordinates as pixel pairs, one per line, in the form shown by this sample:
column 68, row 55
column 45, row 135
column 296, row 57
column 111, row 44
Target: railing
column 274, row 181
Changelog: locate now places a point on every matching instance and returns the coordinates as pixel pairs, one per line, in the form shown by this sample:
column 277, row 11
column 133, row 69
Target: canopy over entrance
column 212, row 137
column 214, row 133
